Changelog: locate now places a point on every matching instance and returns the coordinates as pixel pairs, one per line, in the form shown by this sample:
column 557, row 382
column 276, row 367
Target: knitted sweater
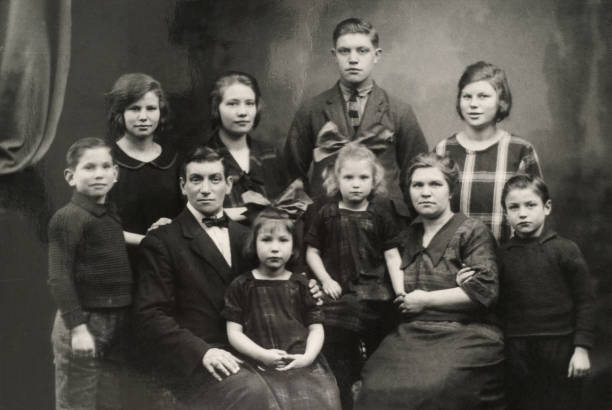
column 88, row 263
column 545, row 289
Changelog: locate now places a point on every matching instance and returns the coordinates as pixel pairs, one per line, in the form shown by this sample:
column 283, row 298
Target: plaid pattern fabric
column 275, row 314
column 483, row 175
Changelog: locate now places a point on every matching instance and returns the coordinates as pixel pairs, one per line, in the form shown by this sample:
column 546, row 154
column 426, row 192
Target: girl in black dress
column 148, row 188
column 274, row 321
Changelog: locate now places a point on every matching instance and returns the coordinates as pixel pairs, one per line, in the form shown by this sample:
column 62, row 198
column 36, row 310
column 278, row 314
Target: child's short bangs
column 269, row 225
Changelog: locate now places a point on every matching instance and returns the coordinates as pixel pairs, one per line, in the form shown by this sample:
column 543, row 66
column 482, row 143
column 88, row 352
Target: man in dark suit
column 186, row 268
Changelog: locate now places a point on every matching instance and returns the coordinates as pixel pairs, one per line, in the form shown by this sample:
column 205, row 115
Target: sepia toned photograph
column 305, row 204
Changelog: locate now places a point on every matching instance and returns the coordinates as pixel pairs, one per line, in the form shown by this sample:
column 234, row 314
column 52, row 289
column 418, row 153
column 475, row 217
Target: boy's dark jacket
column 388, row 127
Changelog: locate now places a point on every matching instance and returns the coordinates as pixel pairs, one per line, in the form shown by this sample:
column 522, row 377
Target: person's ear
column 548, row 207
column 69, row 176
column 229, row 181
column 116, row 172
column 333, row 51
column 182, row 185
column 377, row 54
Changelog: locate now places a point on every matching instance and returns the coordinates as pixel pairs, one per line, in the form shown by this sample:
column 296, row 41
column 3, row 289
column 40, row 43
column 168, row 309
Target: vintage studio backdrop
column 58, row 58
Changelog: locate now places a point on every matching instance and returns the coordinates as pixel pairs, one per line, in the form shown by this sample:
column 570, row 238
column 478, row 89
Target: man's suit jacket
column 382, row 112
column 180, row 292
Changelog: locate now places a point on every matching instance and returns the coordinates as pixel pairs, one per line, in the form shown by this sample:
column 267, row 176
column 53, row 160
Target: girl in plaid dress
column 352, row 243
column 273, row 320
column 486, row 154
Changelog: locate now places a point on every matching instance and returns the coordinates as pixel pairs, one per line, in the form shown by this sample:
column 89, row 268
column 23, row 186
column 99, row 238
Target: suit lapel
column 204, row 246
column 374, row 109
column 335, row 111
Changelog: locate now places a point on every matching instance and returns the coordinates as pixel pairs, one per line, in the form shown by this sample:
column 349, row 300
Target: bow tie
column 212, row 221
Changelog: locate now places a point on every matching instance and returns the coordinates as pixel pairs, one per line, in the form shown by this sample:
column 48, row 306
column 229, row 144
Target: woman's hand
column 219, row 361
column 579, row 365
column 158, row 223
column 464, row 275
column 82, row 342
column 274, row 358
column 332, row 288
column 295, row 362
column 413, row 302
column 236, row 214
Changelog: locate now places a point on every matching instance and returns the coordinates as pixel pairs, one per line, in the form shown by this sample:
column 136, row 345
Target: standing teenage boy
column 355, row 108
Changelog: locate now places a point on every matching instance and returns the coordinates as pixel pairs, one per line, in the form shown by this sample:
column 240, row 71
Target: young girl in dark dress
column 352, row 244
column 146, row 193
column 147, row 188
column 273, row 320
column 255, row 167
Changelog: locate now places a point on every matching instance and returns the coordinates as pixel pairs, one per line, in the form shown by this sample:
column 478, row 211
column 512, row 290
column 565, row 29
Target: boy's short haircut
column 355, row 25
column 75, row 152
column 495, row 76
column 202, row 154
column 524, row 181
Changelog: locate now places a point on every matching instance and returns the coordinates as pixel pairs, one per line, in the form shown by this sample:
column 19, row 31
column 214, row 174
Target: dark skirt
column 308, row 388
column 436, row 365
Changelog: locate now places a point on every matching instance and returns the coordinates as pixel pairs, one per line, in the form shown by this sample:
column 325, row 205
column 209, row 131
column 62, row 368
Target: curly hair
column 356, row 152
column 128, row 89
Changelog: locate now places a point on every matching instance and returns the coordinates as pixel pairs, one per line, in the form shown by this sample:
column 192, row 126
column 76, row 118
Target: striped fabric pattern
column 483, row 175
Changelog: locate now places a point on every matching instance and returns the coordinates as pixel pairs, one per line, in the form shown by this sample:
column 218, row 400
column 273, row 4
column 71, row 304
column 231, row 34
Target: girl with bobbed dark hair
column 147, row 189
column 446, row 352
column 486, row 154
column 146, row 194
column 254, row 166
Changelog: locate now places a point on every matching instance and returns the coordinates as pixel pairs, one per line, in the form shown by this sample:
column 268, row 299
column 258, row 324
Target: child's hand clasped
column 332, row 289
column 294, row 361
column 274, row 358
column 82, row 342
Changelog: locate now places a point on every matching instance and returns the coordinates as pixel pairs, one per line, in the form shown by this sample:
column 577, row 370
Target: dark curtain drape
column 34, row 64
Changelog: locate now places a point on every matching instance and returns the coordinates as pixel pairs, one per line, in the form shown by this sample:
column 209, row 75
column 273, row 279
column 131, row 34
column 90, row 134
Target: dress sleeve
column 530, row 163
column 478, row 252
column 315, row 230
column 234, row 299
column 65, row 233
column 388, row 229
column 579, row 280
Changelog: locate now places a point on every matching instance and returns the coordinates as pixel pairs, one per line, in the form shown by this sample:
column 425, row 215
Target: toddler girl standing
column 486, row 154
column 273, row 319
column 352, row 242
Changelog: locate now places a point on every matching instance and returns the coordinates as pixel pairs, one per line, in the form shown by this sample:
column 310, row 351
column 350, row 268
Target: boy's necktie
column 353, row 110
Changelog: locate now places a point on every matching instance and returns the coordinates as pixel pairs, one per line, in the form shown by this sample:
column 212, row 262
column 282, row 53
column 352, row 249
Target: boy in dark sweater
column 91, row 282
column 546, row 302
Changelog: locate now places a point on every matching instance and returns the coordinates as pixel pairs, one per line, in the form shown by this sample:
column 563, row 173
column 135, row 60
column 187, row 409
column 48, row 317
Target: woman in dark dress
column 446, row 353
column 146, row 194
column 255, row 167
column 148, row 187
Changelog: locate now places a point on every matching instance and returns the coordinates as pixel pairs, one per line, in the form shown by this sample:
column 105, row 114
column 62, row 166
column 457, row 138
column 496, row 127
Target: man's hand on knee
column 220, row 363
